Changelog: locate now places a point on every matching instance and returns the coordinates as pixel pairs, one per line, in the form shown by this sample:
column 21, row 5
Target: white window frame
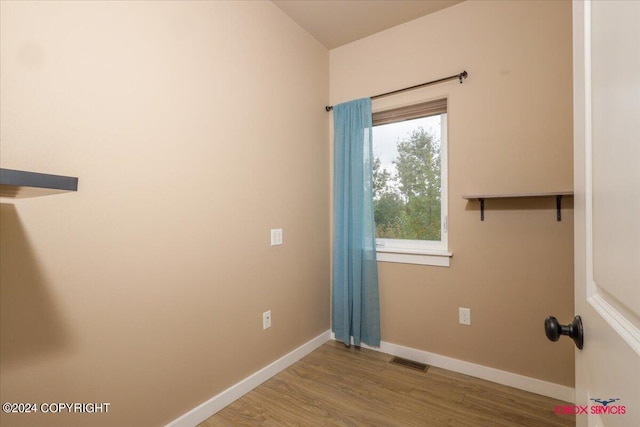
column 425, row 252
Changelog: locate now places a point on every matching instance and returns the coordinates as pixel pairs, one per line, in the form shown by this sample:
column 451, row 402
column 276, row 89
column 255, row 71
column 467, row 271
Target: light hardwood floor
column 339, row 386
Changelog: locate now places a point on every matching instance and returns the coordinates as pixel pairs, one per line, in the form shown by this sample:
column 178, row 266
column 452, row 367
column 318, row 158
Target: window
column 410, row 183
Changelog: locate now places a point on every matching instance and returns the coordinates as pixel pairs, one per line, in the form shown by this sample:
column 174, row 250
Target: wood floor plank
column 349, row 387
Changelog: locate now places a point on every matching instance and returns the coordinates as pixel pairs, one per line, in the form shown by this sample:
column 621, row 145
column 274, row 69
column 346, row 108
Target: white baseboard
column 510, row 379
column 226, row 397
column 219, row 401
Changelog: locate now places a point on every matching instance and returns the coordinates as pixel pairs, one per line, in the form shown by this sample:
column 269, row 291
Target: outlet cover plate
column 266, row 319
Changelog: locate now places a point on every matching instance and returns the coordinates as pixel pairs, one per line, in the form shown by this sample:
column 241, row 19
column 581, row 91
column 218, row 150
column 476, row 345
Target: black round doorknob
column 554, row 330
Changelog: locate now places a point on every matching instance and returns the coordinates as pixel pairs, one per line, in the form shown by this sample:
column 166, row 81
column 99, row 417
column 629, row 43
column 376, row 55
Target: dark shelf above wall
column 558, row 195
column 22, row 184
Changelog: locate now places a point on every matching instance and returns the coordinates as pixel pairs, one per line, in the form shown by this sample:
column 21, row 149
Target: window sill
column 414, row 256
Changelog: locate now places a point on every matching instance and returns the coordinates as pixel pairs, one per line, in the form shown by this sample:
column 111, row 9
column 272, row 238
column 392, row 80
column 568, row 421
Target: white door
column 607, row 210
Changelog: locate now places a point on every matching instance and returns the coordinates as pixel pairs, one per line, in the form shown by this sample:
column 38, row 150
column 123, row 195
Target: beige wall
column 510, row 130
column 194, row 128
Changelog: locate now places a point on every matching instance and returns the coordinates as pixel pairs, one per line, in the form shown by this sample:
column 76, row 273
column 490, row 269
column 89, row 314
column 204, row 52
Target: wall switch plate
column 266, row 319
column 465, row 316
column 276, row 236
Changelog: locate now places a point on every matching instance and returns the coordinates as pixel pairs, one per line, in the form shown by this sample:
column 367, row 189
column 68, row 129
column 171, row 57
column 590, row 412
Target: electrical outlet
column 266, row 319
column 465, row 316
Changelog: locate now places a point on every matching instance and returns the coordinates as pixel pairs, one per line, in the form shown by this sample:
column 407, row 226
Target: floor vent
column 409, row 364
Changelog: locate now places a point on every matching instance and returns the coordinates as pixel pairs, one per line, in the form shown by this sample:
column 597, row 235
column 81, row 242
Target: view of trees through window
column 406, row 175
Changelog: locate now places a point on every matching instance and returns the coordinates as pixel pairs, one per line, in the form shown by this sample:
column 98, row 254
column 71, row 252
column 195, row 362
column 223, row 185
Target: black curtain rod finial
column 328, row 108
column 463, row 75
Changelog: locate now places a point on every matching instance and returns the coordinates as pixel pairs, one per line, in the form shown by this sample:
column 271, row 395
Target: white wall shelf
column 557, row 194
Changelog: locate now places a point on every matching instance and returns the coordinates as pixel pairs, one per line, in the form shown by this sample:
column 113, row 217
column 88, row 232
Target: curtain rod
column 463, row 75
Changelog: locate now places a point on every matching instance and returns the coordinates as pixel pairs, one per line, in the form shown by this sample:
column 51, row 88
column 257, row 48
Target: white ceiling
column 337, row 22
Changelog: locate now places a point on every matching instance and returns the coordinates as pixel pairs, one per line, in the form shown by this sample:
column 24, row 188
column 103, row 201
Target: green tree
column 387, row 204
column 418, row 176
column 381, row 179
column 388, row 211
column 407, row 202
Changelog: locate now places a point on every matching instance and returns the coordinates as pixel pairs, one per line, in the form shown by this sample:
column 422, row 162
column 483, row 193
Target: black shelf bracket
column 559, row 207
column 481, row 209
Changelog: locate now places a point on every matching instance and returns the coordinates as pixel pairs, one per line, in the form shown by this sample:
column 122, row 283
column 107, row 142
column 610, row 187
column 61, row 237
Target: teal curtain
column 355, row 305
